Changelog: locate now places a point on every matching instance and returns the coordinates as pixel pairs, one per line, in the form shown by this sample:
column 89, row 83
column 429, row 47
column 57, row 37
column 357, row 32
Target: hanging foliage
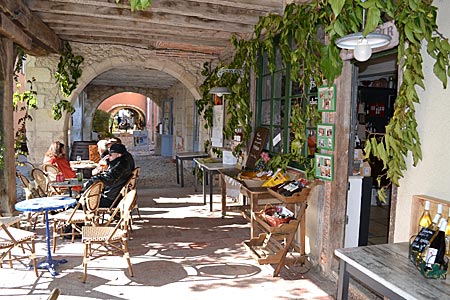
column 138, row 4
column 312, row 57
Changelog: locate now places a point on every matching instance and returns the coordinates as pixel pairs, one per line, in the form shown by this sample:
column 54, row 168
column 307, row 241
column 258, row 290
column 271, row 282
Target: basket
column 268, row 213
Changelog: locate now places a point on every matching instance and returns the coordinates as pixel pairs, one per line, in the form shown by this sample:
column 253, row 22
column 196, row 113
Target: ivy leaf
column 373, row 16
column 440, row 73
column 336, row 6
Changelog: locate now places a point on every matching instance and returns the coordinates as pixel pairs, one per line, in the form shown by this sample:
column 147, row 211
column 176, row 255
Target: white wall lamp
column 223, row 90
column 362, row 45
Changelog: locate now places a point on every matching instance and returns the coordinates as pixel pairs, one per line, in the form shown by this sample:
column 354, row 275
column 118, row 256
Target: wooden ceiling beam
column 92, row 31
column 212, row 20
column 13, row 32
column 43, row 37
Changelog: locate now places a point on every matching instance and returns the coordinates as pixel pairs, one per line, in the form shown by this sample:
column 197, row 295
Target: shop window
column 276, row 96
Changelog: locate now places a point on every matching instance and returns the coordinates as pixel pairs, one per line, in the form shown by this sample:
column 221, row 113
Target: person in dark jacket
column 115, row 176
column 128, row 155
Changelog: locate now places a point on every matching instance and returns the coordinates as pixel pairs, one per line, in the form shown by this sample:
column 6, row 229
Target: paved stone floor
column 179, row 250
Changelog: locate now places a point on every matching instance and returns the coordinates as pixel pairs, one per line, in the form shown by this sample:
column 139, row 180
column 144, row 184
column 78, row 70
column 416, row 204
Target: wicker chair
column 100, row 241
column 136, row 173
column 30, row 192
column 128, row 186
column 11, row 238
column 54, row 294
column 41, row 182
column 51, row 171
column 85, row 212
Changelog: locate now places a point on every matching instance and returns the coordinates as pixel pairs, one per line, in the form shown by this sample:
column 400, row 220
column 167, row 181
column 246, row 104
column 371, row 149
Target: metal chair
column 84, row 213
column 100, row 241
column 11, row 238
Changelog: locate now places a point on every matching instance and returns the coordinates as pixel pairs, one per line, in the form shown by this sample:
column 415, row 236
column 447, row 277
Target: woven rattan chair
column 129, row 185
column 11, row 238
column 41, row 182
column 30, row 193
column 54, row 294
column 51, row 171
column 85, row 212
column 100, row 241
column 135, row 174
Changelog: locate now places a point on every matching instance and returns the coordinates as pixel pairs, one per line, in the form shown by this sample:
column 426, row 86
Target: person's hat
column 111, row 141
column 117, row 148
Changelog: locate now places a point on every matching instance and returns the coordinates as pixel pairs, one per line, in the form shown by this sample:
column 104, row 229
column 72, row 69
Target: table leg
column 224, row 195
column 342, row 293
column 177, row 164
column 204, row 186
column 211, row 188
column 181, row 173
column 49, row 263
column 195, row 176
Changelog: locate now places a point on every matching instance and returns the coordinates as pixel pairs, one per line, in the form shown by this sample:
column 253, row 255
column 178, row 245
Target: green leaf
column 336, row 6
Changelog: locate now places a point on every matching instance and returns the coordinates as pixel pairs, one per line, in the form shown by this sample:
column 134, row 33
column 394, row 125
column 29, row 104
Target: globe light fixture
column 362, row 45
column 223, row 90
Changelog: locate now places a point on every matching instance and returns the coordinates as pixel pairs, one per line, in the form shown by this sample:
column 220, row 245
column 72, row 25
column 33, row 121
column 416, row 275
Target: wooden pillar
column 336, row 191
column 7, row 173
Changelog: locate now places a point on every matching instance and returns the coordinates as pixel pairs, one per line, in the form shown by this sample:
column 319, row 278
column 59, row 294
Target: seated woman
column 56, row 155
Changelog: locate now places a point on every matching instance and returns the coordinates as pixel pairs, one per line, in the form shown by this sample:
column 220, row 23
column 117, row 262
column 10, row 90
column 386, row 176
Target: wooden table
column 211, row 167
column 252, row 193
column 180, row 157
column 85, row 166
column 386, row 269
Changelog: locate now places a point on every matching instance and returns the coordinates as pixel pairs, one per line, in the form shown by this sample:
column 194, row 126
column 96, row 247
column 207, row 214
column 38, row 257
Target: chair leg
column 85, row 261
column 33, row 258
column 126, row 255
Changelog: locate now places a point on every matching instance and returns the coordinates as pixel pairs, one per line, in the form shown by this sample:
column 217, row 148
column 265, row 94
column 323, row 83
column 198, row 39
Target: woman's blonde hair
column 56, row 149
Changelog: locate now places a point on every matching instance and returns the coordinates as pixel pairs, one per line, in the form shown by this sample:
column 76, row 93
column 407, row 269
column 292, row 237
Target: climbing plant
column 67, row 75
column 23, row 102
column 138, row 4
column 316, row 25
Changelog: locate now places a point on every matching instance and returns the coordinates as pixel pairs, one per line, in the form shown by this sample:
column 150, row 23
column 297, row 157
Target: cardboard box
column 358, row 154
column 228, row 158
column 365, row 170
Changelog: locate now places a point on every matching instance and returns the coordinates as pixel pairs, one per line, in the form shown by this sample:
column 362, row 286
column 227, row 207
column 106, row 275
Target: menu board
column 422, row 239
column 258, row 143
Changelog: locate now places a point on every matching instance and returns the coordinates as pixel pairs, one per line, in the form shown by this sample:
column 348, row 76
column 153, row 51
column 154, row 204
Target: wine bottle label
column 431, row 256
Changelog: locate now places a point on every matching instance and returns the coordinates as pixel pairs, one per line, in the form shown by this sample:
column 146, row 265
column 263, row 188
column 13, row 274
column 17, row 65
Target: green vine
column 138, row 4
column 312, row 57
column 67, row 75
column 22, row 102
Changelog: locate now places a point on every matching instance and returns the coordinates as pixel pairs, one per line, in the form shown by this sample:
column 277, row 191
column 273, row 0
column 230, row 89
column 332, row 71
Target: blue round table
column 46, row 204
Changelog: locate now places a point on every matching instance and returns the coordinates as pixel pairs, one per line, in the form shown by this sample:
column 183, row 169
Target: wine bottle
column 447, row 235
column 425, row 219
column 436, row 251
column 435, row 223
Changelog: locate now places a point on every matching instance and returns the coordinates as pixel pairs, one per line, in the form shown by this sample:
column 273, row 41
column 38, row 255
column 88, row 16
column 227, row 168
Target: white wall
column 432, row 175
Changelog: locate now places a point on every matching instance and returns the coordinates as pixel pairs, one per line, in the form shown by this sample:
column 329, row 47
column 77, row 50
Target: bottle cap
column 427, row 205
column 442, row 224
column 436, row 218
column 439, row 209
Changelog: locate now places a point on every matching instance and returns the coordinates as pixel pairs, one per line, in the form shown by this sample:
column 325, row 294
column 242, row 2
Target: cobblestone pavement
column 179, row 250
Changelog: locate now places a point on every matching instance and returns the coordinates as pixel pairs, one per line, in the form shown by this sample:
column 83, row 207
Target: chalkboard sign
column 422, row 239
column 258, row 143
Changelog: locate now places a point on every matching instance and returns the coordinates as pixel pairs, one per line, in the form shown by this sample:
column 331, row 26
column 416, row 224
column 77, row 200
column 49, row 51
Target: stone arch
column 189, row 80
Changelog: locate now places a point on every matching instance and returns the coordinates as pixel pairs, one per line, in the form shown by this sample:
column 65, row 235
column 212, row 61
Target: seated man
column 114, row 177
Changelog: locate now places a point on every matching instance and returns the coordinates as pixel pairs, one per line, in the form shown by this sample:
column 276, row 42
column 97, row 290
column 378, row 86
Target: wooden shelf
column 272, row 246
column 295, row 198
column 281, row 229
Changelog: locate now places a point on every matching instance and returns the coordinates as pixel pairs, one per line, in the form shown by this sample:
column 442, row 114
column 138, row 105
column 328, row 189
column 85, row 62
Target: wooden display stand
column 272, row 246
